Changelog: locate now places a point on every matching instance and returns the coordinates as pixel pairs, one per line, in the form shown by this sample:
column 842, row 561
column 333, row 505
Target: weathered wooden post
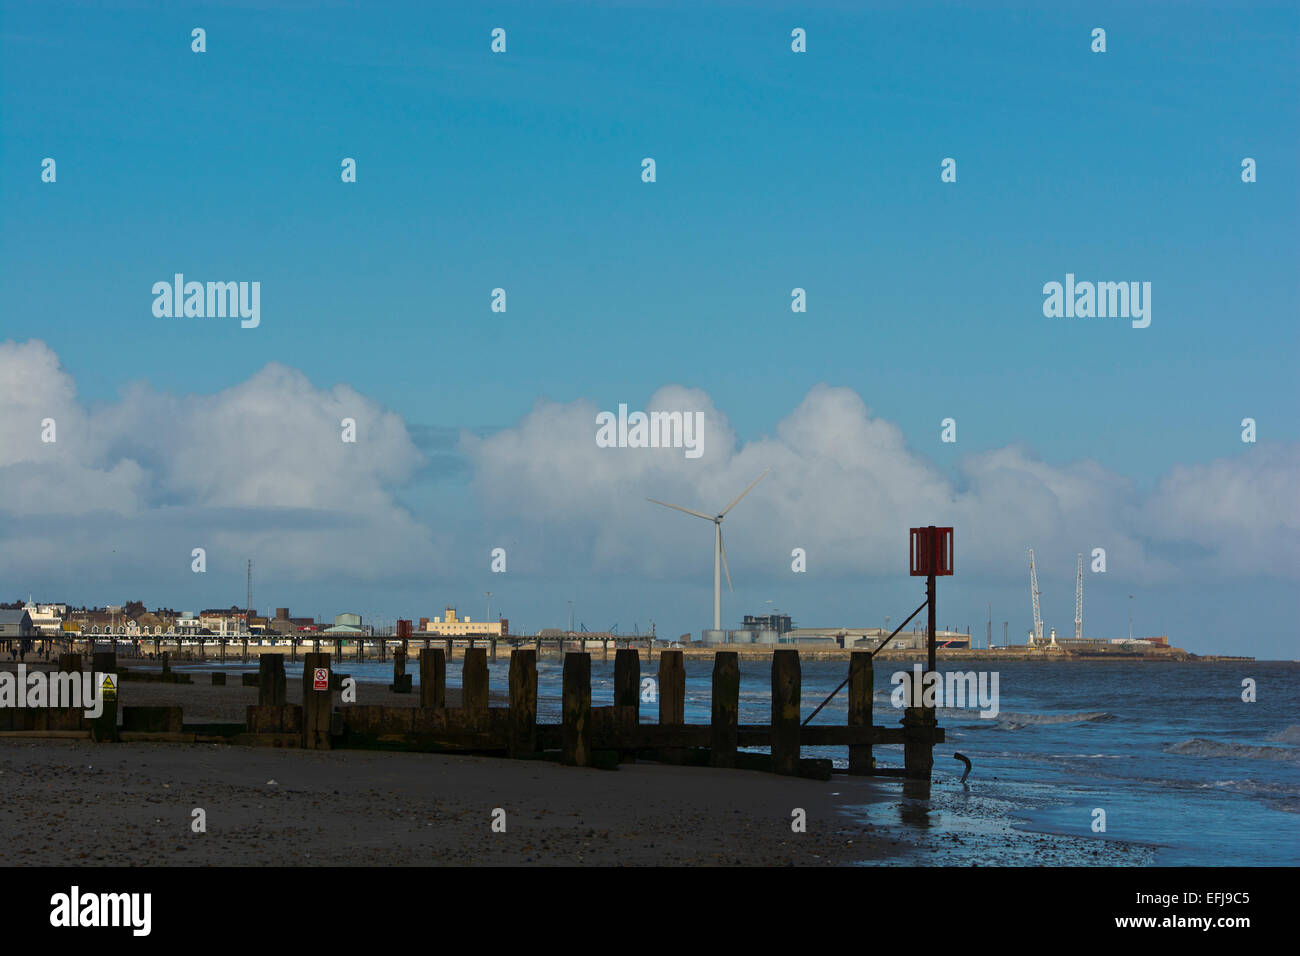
column 401, row 679
column 493, row 651
column 433, row 678
column 726, row 708
column 243, row 654
column 449, row 649
column 523, row 703
column 338, row 649
column 627, row 694
column 786, row 689
column 271, row 691
column 672, row 688
column 537, row 646
column 166, row 664
column 70, row 663
column 474, row 680
column 627, row 682
column 860, row 699
column 918, row 742
column 317, row 701
column 577, row 710
column 104, row 667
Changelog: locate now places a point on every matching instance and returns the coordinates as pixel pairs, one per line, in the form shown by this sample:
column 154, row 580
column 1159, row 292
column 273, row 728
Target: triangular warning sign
column 109, row 687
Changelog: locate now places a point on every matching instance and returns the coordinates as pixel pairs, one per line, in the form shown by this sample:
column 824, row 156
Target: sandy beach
column 75, row 802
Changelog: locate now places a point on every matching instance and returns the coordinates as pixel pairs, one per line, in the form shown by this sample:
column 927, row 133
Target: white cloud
column 845, row 486
column 259, row 468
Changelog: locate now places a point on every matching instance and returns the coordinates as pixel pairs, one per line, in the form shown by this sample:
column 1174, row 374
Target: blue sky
column 775, row 170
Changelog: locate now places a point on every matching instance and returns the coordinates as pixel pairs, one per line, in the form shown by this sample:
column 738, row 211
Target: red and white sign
column 321, row 679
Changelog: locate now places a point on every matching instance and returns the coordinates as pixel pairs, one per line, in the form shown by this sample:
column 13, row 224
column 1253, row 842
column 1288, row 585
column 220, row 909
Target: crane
column 1037, row 636
column 1078, row 601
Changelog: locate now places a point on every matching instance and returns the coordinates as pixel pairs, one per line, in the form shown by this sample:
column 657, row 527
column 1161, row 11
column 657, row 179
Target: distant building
column 348, row 624
column 780, row 623
column 15, row 625
column 47, row 619
column 452, row 626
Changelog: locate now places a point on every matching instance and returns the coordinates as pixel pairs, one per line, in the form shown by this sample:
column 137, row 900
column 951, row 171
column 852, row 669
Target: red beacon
column 931, row 551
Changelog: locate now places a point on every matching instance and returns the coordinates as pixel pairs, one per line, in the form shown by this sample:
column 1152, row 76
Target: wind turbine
column 719, row 551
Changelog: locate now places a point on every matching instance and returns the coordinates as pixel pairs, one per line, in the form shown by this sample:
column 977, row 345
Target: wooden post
column 523, row 703
column 785, row 711
column 493, row 652
column 726, row 708
column 70, row 663
column 538, row 645
column 449, row 650
column 860, row 699
column 627, row 681
column 433, row 678
column 474, row 680
column 577, row 710
column 316, row 704
column 270, row 681
column 918, row 742
column 104, row 727
column 672, row 688
column 338, row 649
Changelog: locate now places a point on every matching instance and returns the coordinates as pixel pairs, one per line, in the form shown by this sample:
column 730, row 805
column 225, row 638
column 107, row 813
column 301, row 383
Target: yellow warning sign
column 108, row 690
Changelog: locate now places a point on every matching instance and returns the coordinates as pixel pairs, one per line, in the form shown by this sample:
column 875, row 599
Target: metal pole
column 929, row 597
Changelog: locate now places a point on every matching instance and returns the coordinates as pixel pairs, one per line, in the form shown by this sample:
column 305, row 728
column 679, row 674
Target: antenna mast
column 1078, row 601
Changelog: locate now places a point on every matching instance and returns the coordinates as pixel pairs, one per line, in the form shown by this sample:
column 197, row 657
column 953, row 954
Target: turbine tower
column 1078, row 601
column 719, row 550
column 1037, row 636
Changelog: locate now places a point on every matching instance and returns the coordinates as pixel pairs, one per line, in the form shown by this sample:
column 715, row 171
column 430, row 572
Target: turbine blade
column 722, row 546
column 680, row 508
column 745, row 492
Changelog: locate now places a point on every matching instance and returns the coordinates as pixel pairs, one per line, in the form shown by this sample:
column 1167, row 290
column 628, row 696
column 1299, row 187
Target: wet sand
column 70, row 802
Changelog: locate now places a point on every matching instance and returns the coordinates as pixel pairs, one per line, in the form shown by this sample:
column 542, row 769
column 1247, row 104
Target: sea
column 1084, row 763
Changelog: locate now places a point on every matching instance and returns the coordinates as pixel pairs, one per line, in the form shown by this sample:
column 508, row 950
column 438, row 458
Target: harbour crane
column 1037, row 636
column 1078, row 601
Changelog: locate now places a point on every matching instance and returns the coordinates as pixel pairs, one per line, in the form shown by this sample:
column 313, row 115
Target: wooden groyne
column 586, row 736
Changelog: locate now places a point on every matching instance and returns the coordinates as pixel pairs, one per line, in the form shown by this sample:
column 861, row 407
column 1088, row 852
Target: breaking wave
column 1017, row 721
column 1289, row 736
column 1200, row 747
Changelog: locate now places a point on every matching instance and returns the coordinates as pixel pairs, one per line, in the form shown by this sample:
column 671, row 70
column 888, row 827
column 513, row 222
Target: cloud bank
column 130, row 487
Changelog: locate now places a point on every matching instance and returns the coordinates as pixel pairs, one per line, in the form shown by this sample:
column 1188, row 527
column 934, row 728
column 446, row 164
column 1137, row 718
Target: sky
column 774, row 170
